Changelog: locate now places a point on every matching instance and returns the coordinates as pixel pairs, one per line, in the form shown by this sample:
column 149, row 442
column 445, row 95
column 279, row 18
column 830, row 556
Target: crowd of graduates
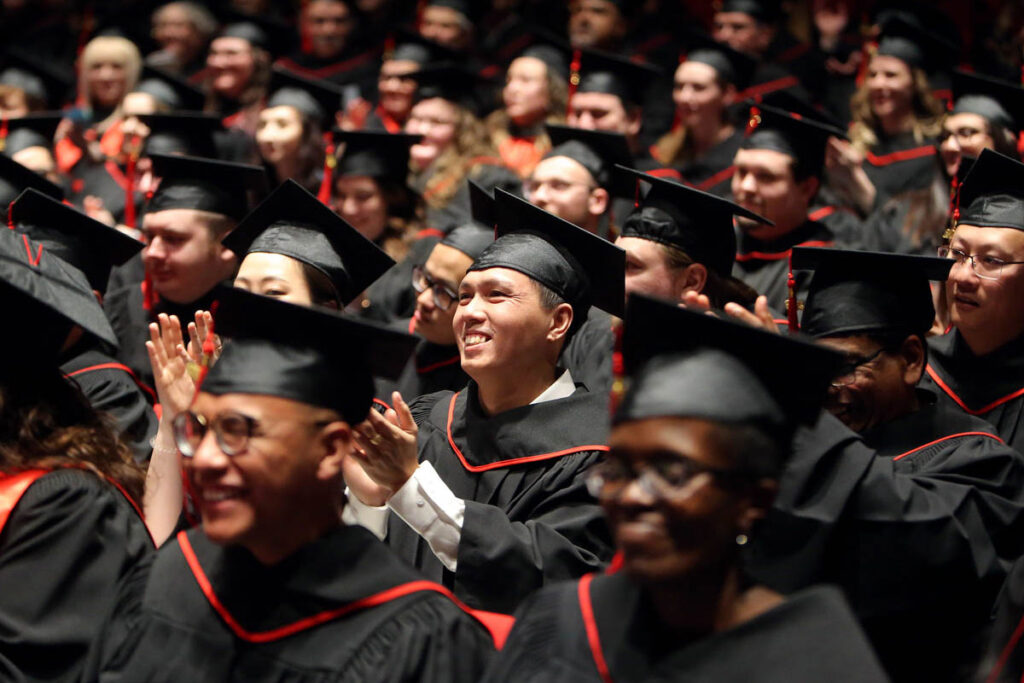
column 512, row 340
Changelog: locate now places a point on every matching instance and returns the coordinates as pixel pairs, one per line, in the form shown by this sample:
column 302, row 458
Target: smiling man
column 979, row 364
column 489, row 481
column 274, row 586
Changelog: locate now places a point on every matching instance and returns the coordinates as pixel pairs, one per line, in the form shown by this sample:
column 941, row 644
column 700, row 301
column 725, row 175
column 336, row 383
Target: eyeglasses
column 662, row 476
column 986, row 267
column 231, row 430
column 847, row 374
column 962, row 135
column 444, row 296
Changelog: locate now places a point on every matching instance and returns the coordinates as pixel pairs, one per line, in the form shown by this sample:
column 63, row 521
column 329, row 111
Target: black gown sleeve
column 116, row 393
column 64, row 553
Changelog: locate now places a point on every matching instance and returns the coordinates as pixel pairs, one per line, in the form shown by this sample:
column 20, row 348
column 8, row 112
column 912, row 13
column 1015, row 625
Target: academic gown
column 712, row 171
column 919, row 534
column 68, row 551
column 588, row 355
column 765, row 265
column 900, row 163
column 811, row 636
column 432, row 368
column 255, row 623
column 990, row 387
column 351, row 67
column 130, row 321
column 111, row 388
column 529, row 519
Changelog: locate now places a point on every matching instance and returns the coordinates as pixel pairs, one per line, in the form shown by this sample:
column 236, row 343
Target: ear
column 597, row 202
column 634, row 118
column 807, row 188
column 337, row 442
column 760, row 498
column 913, row 355
column 691, row 279
column 561, row 321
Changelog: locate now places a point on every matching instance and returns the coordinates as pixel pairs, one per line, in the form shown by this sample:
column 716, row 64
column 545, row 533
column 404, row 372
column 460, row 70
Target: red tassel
column 149, row 297
column 208, row 348
column 791, row 304
column 3, row 133
column 305, row 42
column 129, row 180
column 574, row 78
column 753, row 122
column 329, row 163
column 10, row 215
column 636, row 195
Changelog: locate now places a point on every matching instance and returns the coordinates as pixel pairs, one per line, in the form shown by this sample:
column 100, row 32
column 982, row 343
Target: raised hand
column 386, row 445
column 169, row 360
column 197, row 333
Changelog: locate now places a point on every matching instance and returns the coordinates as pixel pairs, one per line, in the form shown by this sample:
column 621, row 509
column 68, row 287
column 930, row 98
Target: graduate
column 489, row 481
column 273, row 586
column 196, row 203
column 16, row 178
column 93, row 248
column 697, row 449
column 978, row 365
column 71, row 535
column 876, row 309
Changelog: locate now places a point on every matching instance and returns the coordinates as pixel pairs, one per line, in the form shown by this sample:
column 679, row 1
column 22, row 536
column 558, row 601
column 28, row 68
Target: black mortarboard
column 731, row 65
column 293, row 222
column 471, row 9
column 915, row 45
column 412, row 47
column 800, row 137
column 798, row 102
column 554, row 51
column 698, row 223
column 308, row 354
column 481, row 205
column 33, row 130
column 863, row 292
column 597, row 151
column 998, row 102
column 188, row 133
column 263, row 31
column 375, row 154
column 14, row 178
column 764, row 11
column 47, row 294
column 608, row 73
column 317, row 100
column 992, row 194
column 36, row 78
column 474, row 237
column 92, row 247
column 170, row 90
column 580, row 267
column 449, row 81
column 689, row 364
column 204, row 185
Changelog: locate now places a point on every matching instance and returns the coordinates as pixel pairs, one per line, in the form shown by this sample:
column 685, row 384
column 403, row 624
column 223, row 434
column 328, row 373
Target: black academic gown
column 432, row 368
column 260, row 623
column 712, row 171
column 764, row 266
column 990, row 387
column 812, row 636
column 352, row 67
column 588, row 355
column 130, row 320
column 67, row 552
column 111, row 388
column 529, row 518
column 900, row 163
column 919, row 534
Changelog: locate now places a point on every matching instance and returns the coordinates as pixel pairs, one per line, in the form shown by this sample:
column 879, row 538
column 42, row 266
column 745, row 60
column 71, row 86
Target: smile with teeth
column 474, row 339
column 218, row 495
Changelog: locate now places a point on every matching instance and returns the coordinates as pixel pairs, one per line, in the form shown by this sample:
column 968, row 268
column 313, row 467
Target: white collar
column 562, row 387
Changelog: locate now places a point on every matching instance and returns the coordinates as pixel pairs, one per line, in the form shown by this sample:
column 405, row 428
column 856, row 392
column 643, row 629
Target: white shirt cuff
column 430, row 508
column 373, row 518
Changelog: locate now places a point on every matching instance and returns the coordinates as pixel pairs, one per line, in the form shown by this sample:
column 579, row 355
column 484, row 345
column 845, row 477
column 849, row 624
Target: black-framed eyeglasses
column 987, row 267
column 444, row 296
column 661, row 475
column 232, row 431
column 847, row 374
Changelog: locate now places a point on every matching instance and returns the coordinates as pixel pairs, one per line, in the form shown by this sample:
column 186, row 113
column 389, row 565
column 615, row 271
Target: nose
column 208, row 460
column 154, row 250
column 962, row 275
column 747, row 183
column 635, row 494
column 425, row 300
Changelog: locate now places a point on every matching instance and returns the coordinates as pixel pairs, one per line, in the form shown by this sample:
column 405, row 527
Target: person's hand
column 761, row 317
column 846, row 174
column 197, row 333
column 169, row 360
column 696, row 302
column 386, row 445
column 362, row 486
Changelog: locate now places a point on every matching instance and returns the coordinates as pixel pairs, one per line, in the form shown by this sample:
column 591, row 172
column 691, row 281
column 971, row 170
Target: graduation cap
column 797, row 136
column 688, row 364
column 293, row 222
column 698, row 223
column 38, row 287
column 316, row 100
column 450, row 81
column 87, row 244
column 797, row 102
column 188, row 133
column 992, row 194
column 580, row 267
column 732, row 66
column 481, row 205
column 471, row 9
column 764, row 11
column 261, row 31
column 410, row 46
column 173, row 92
column 604, row 72
column 597, row 151
column 14, row 178
column 37, row 79
column 554, row 51
column 863, row 292
column 220, row 187
column 375, row 154
column 473, row 237
column 1001, row 103
column 309, row 354
column 33, row 130
column 917, row 46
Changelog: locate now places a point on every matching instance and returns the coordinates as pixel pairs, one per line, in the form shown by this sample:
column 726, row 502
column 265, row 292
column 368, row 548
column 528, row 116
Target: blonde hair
column 453, row 164
column 926, row 112
column 119, row 49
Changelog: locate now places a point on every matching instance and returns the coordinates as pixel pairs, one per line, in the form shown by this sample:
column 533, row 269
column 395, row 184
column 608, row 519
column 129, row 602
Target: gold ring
column 375, row 440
